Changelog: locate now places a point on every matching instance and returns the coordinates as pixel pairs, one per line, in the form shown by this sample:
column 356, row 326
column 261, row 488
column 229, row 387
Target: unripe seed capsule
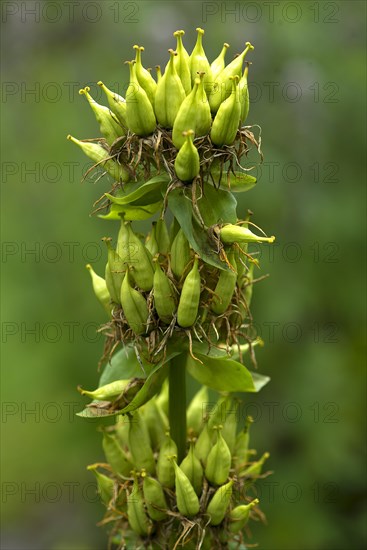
column 219, row 461
column 151, row 241
column 162, row 237
column 117, row 104
column 219, row 63
column 155, row 421
column 108, row 392
column 236, row 182
column 135, row 307
column 190, row 296
column 193, row 469
column 199, row 62
column 225, row 288
column 219, row 503
column 230, row 425
column 115, row 271
column 154, row 498
column 169, row 95
column 165, row 469
column 137, row 257
column 244, row 96
column 138, row 520
column 230, row 233
column 109, row 126
column 182, row 62
column 105, row 485
column 187, row 500
column 100, row 156
column 139, row 111
column 139, row 444
column 180, row 254
column 115, row 456
column 203, row 445
column 240, row 515
column 227, row 119
column 255, row 468
column 187, row 163
column 100, row 289
column 195, row 411
column 221, row 88
column 144, row 77
column 164, row 301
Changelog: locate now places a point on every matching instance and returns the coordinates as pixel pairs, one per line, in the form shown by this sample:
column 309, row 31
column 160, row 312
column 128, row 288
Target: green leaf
column 132, row 212
column 198, row 237
column 221, row 373
column 236, row 182
column 123, row 365
column 140, row 194
column 217, row 205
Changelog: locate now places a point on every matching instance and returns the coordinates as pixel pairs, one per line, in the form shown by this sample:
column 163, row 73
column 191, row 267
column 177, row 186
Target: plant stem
column 177, row 403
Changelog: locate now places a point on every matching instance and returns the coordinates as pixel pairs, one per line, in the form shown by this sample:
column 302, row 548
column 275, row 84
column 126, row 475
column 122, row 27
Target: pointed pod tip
column 226, row 45
column 100, row 83
column 250, row 46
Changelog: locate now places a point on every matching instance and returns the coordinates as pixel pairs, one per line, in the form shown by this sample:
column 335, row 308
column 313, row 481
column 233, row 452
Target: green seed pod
column 230, row 425
column 199, row 62
column 115, row 456
column 237, row 182
column 155, row 421
column 221, row 88
column 195, row 410
column 203, row 445
column 169, row 95
column 218, row 505
column 108, row 124
column 144, row 77
column 162, row 237
column 138, row 520
column 188, row 305
column 116, row 103
column 100, row 156
column 163, row 293
column 225, row 288
column 241, row 450
column 219, row 63
column 255, row 468
column 194, row 113
column 227, row 119
column 122, row 428
column 165, row 470
column 139, row 444
column 139, row 111
column 240, row 515
column 193, row 469
column 187, row 163
column 182, row 62
column 244, row 96
column 230, row 233
column 100, row 289
column 186, row 498
column 155, row 500
column 105, row 485
column 135, row 307
column 108, row 392
column 219, row 461
column 136, row 256
column 115, row 272
column 180, row 254
column 218, row 413
column 151, row 241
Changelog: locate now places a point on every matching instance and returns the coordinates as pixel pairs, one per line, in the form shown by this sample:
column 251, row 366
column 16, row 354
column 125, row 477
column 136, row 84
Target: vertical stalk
column 177, row 403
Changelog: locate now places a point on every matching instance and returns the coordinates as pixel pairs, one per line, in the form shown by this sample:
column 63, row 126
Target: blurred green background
column 308, row 92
